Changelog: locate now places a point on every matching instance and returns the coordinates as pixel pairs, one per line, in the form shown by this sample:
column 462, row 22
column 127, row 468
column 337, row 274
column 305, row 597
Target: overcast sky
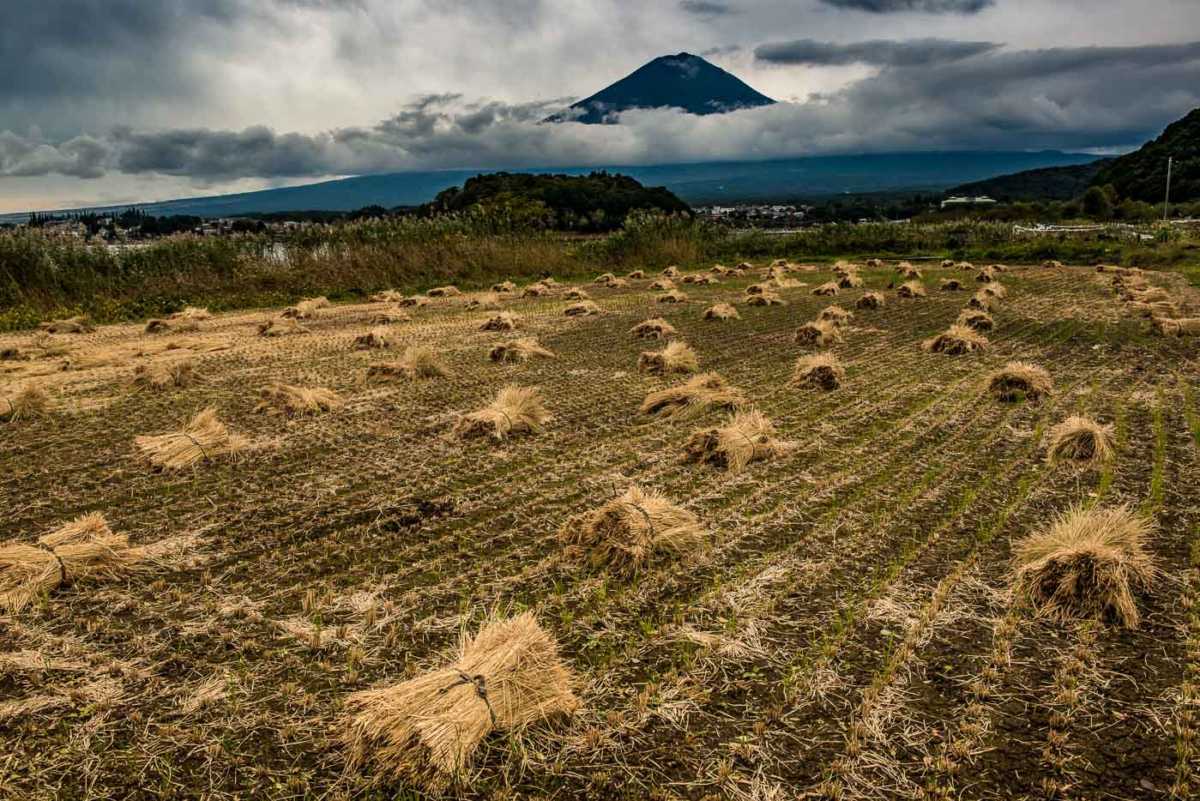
column 111, row 101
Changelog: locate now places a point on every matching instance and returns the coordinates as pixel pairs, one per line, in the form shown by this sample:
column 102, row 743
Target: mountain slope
column 1142, row 175
column 1045, row 183
column 680, row 81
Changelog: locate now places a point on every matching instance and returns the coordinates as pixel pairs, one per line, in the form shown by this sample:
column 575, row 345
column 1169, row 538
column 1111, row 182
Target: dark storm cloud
column 878, row 52
column 926, row 6
column 706, row 8
column 1068, row 98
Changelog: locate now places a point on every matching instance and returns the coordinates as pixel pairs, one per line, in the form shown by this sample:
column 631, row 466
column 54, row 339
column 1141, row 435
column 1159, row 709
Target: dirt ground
column 844, row 631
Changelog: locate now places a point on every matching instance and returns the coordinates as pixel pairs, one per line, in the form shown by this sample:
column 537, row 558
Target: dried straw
column 1184, row 326
column 835, row 314
column 636, row 275
column 159, row 376
column 85, row 548
column 586, row 308
column 871, row 300
column 911, row 289
column 955, row 341
column 1087, row 564
column 721, row 311
column 280, row 326
column 677, row 357
column 818, row 332
column 983, row 301
column 448, row 291
column 504, row 287
column 820, row 370
column 30, row 400
column 950, row 285
column 418, row 361
column 375, row 339
column 71, row 325
column 292, row 401
column 604, row 279
column 746, row 437
column 304, row 310
column 1080, row 439
column 426, row 730
column 674, row 296
column 662, row 285
column 414, row 302
column 654, row 328
column 976, row 320
column 504, row 321
column 829, row 288
column 204, row 438
column 514, row 410
column 630, row 531
column 696, row 396
column 851, row 281
column 519, row 350
column 576, row 293
column 765, row 299
column 192, row 313
column 995, row 289
column 387, row 296
column 1020, row 380
column 158, row 326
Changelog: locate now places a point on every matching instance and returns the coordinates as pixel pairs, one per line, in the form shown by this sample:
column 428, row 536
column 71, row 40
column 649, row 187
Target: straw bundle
column 418, row 361
column 758, row 289
column 1184, row 326
column 911, row 273
column 997, row 268
column 662, row 285
column 696, row 396
column 871, row 300
column 71, row 325
column 995, row 289
column 387, row 296
column 983, row 301
column 947, row 263
column 1152, row 310
column 617, row 283
column 844, row 268
column 1152, row 295
column 829, row 288
column 414, row 302
column 874, row 264
column 504, row 287
column 604, row 278
column 515, row 410
column 504, row 321
column 950, row 285
column 292, row 401
column 674, row 296
column 955, row 341
column 375, row 339
column 721, row 311
column 636, row 275
column 519, row 350
column 965, row 266
column 628, row 532
column 851, row 281
column 425, row 731
column 835, row 314
column 203, row 438
column 280, row 326
column 192, row 313
column 1087, row 564
column 159, row 376
column 550, row 282
column 1052, row 264
column 819, row 370
column 704, row 280
column 1080, row 439
column 388, row 318
column 671, row 271
column 448, row 291
column 584, row 308
column 746, row 437
column 654, row 328
column 985, row 276
column 911, row 289
column 85, row 548
column 576, row 293
column 29, row 401
column 487, row 300
column 819, row 333
column 677, row 357
column 765, row 299
column 1017, row 380
column 158, row 326
column 304, row 310
column 976, row 320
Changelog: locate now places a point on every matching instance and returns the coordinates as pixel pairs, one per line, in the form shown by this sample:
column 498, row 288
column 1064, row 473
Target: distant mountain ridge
column 680, row 81
column 1142, row 175
column 1045, row 183
column 721, row 182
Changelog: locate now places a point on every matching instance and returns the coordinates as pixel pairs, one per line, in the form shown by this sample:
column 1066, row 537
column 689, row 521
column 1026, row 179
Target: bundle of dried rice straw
column 626, row 533
column 830, row 288
column 519, row 350
column 677, row 357
column 85, row 548
column 448, row 291
column 911, row 289
column 192, row 313
column 514, row 410
column 834, row 314
column 504, row 287
column 418, row 361
column 721, row 311
column 205, row 437
column 30, row 400
column 426, row 730
column 955, row 341
column 1088, row 563
column 746, row 437
column 181, row 325
column 280, row 326
column 765, row 299
column 586, row 308
column 291, row 400
column 1080, row 439
column 1017, row 380
column 821, row 370
column 871, row 300
column 654, row 328
column 576, row 293
column 165, row 375
column 71, row 325
column 820, row 333
column 375, row 339
column 975, row 319
column 695, row 396
column 387, row 296
column 504, row 321
column 674, row 296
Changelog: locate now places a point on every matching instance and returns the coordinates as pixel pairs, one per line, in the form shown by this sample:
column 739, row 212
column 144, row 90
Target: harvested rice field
column 308, row 568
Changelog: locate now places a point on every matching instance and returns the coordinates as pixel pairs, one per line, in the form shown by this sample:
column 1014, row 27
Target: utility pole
column 1167, row 199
